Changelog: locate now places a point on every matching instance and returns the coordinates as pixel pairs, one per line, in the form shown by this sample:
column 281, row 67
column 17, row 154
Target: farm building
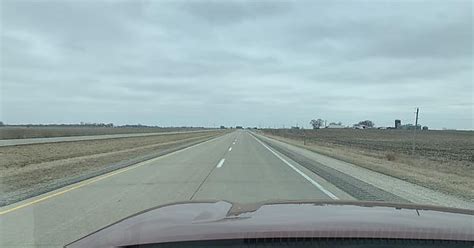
column 335, row 126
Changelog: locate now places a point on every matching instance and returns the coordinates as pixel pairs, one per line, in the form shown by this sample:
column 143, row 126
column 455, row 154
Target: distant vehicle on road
column 239, row 127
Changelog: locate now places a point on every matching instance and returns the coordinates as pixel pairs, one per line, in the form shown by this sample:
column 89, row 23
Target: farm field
column 443, row 160
column 24, row 132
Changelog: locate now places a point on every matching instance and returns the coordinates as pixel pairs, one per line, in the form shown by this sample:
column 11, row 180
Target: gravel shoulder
column 449, row 177
column 404, row 189
column 29, row 170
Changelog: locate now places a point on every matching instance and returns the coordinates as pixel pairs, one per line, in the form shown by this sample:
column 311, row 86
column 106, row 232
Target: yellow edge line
column 84, row 183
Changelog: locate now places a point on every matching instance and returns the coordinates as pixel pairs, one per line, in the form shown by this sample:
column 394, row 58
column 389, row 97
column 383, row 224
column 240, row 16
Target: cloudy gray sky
column 267, row 63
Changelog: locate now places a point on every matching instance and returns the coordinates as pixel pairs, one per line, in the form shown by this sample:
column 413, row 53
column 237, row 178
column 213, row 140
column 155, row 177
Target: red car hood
column 193, row 221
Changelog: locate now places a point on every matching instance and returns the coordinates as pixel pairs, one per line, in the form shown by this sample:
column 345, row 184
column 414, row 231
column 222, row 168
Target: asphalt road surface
column 237, row 167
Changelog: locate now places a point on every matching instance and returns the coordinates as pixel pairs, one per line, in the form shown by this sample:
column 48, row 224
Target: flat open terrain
column 240, row 167
column 443, row 160
column 25, row 169
column 25, row 132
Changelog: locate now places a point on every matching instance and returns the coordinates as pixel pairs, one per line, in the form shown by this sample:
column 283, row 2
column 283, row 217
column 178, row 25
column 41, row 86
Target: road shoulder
column 409, row 191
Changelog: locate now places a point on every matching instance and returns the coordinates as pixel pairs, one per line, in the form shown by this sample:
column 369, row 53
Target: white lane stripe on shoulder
column 317, row 185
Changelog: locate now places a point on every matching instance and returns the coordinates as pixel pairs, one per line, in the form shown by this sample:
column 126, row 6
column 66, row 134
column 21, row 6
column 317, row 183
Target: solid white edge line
column 325, row 191
column 219, row 165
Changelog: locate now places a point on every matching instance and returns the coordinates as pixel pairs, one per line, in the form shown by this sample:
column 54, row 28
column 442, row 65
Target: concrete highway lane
column 234, row 167
column 252, row 173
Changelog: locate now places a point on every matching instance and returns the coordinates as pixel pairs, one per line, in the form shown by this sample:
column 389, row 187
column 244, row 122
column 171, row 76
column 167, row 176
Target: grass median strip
column 20, row 180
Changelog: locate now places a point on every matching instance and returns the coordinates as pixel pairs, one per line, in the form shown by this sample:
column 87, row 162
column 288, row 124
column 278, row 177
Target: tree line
column 319, row 123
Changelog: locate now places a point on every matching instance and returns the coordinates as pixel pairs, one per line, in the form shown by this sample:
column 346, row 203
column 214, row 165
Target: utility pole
column 414, row 131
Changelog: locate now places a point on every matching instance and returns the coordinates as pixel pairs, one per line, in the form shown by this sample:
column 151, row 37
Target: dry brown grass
column 28, row 166
column 24, row 155
column 390, row 156
column 23, row 132
column 452, row 174
column 455, row 147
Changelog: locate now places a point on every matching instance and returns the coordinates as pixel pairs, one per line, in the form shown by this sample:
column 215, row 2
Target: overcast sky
column 258, row 63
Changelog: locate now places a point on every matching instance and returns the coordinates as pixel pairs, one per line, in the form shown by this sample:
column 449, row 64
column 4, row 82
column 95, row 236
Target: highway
column 236, row 167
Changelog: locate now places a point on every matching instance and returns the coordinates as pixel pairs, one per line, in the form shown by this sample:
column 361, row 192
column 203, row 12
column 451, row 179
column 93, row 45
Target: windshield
column 109, row 108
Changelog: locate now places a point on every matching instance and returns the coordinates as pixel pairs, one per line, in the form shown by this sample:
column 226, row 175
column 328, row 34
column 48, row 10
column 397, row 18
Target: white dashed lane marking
column 219, row 165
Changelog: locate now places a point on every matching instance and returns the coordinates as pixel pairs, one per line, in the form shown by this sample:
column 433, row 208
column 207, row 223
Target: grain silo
column 398, row 124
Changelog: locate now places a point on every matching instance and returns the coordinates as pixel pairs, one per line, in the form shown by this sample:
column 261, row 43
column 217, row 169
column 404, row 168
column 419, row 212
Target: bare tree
column 367, row 123
column 316, row 123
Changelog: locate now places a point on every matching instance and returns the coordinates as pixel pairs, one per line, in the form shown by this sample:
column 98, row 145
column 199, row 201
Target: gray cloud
column 229, row 12
column 248, row 62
